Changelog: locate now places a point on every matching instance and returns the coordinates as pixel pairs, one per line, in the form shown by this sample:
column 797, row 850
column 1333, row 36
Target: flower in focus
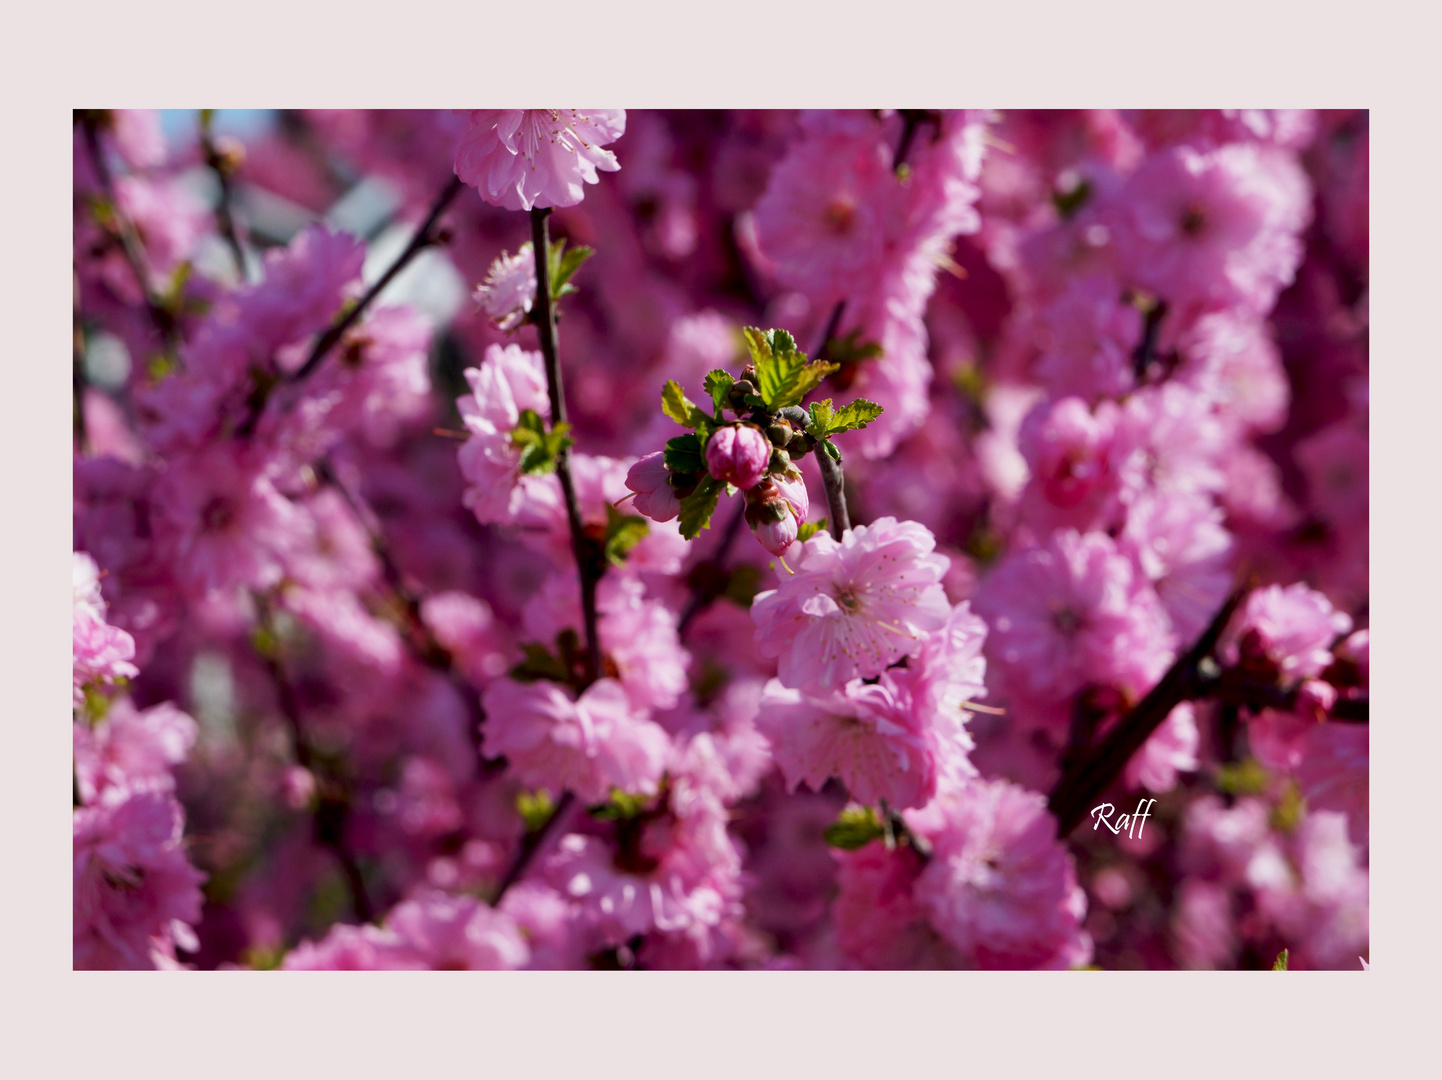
column 524, row 158
column 853, row 608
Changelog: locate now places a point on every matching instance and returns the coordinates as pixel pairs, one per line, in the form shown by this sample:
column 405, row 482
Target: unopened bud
column 738, row 454
column 780, row 433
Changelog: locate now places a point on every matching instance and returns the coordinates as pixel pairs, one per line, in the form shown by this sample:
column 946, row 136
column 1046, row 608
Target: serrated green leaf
column 1281, row 964
column 675, row 404
column 718, row 384
column 821, row 414
column 807, row 529
column 855, row 828
column 623, row 532
column 697, row 508
column 683, row 454
column 856, row 415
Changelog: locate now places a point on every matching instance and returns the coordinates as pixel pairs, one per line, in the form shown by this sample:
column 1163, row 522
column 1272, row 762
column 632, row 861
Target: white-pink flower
column 853, row 608
column 509, row 290
column 523, row 158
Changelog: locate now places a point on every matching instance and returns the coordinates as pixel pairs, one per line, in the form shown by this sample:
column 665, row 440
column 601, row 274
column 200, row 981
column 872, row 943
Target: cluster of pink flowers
column 411, row 632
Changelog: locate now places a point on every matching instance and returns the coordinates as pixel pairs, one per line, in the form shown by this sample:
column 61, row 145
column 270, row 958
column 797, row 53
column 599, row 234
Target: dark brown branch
column 531, row 845
column 124, row 230
column 332, row 806
column 1081, row 785
column 835, row 484
column 581, row 545
column 714, row 583
column 426, row 236
column 224, row 214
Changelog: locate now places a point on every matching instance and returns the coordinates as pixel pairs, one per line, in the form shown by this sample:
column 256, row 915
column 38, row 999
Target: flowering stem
column 426, row 236
column 1084, row 782
column 224, row 217
column 545, row 318
column 835, row 484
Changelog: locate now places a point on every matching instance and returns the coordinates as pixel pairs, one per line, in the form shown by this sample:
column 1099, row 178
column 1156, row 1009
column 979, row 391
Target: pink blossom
column 1169, row 440
column 1335, row 460
column 438, row 932
column 131, row 750
column 1296, row 627
column 1171, row 749
column 870, row 737
column 1215, row 229
column 345, row 948
column 466, row 627
column 508, row 382
column 1086, row 337
column 853, row 608
column 638, row 634
column 136, row 895
column 100, row 653
column 1072, row 612
column 738, row 454
column 879, row 923
column 1000, row 887
column 822, row 218
column 520, row 158
column 1334, row 773
column 509, row 290
column 1068, row 450
column 1178, row 543
column 1233, row 361
column 588, row 745
column 655, row 497
column 226, row 523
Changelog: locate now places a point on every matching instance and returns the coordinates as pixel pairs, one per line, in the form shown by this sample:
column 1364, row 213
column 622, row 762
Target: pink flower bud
column 777, row 536
column 738, row 454
column 654, row 496
column 772, row 516
column 1315, row 699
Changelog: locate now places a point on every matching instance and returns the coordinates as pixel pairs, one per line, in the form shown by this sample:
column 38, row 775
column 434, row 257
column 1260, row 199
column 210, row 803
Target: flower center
column 839, row 217
column 845, row 596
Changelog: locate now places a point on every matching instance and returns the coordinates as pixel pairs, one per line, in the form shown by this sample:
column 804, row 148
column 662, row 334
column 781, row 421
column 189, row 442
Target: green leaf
column 856, row 415
column 783, row 375
column 540, row 663
column 855, row 828
column 623, row 532
column 697, row 508
column 538, row 445
column 683, row 454
column 718, row 385
column 831, row 451
column 622, row 806
column 807, row 529
column 851, row 349
column 536, row 808
column 1281, row 964
column 680, row 408
column 564, row 265
column 826, row 421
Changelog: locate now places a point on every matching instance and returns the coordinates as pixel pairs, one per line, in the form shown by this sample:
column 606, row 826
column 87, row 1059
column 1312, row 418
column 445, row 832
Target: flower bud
column 780, row 433
column 653, row 483
column 1315, row 699
column 771, row 511
column 780, row 462
column 738, row 454
column 738, row 392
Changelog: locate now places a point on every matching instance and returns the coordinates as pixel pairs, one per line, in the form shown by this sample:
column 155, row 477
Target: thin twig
column 581, row 545
column 531, row 845
column 1183, row 681
column 332, row 809
column 425, row 237
column 130, row 243
column 224, row 215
